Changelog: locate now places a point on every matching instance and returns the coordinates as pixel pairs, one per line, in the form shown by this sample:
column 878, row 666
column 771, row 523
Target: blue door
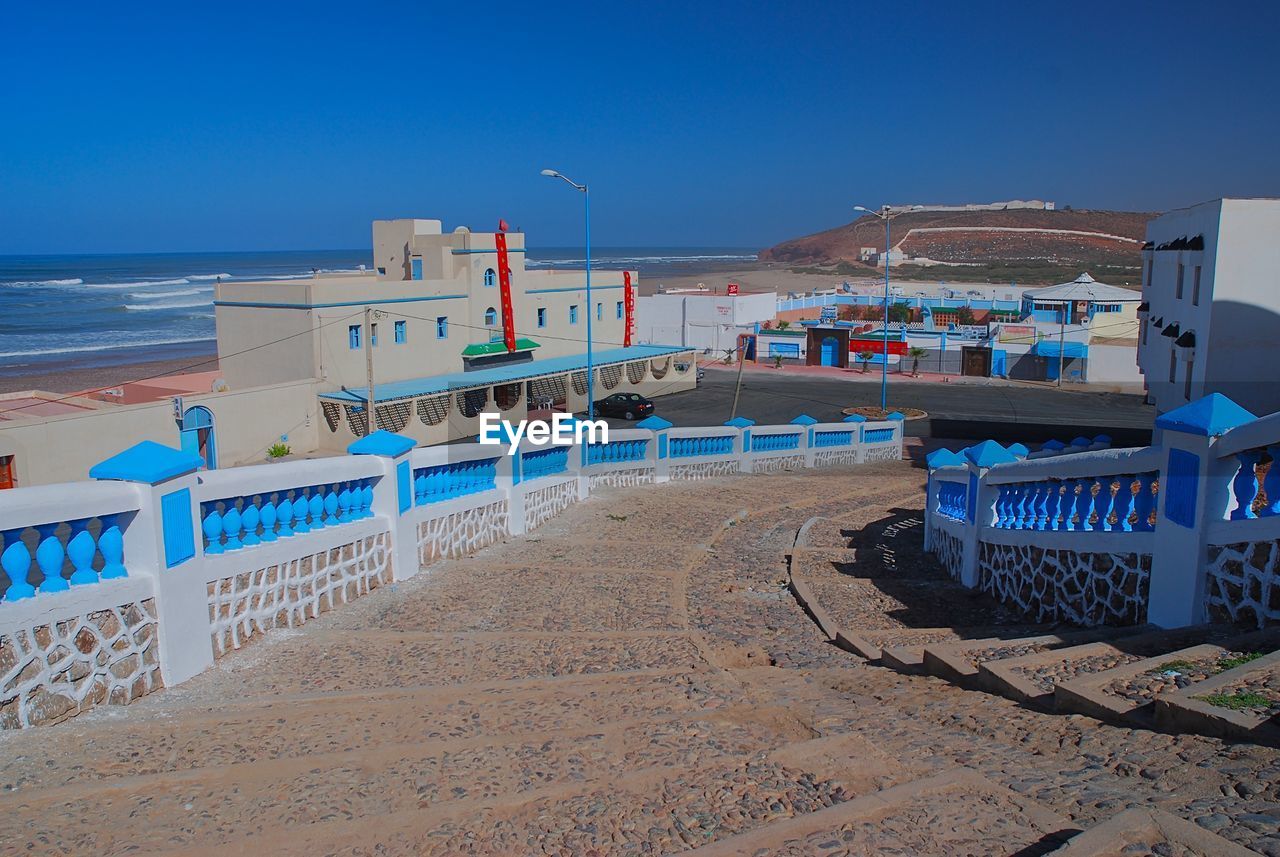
column 830, row 351
column 197, row 435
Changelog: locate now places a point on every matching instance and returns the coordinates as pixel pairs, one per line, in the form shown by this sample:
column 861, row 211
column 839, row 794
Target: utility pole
column 369, row 426
column 742, row 361
column 1062, row 342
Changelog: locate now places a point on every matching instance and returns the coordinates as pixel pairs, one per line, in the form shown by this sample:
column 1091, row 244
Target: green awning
column 497, row 347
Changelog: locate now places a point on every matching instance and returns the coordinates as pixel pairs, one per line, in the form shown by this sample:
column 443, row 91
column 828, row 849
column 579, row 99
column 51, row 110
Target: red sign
column 733, row 289
column 629, row 305
column 504, row 283
column 876, row 345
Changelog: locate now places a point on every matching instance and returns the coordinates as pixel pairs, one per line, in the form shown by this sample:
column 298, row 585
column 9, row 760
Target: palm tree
column 865, row 357
column 915, row 352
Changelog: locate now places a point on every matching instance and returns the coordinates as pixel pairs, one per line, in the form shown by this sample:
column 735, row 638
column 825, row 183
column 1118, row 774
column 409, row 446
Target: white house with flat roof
column 702, row 321
column 1211, row 304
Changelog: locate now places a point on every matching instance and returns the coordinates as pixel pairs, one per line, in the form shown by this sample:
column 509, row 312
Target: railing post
column 806, row 437
column 393, row 496
column 1195, row 489
column 161, row 541
column 859, row 455
column 662, row 454
column 981, row 499
column 743, row 425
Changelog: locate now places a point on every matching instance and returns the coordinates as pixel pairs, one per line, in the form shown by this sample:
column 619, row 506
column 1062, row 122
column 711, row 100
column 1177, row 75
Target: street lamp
column 586, row 204
column 885, row 215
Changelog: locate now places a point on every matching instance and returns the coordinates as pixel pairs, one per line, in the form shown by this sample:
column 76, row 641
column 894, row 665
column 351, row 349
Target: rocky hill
column 1097, row 240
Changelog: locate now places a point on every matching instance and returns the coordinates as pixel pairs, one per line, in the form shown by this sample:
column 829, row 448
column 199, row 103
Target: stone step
column 1031, row 678
column 957, row 812
column 210, row 805
column 1125, row 695
column 959, row 662
column 1149, row 831
column 1217, row 706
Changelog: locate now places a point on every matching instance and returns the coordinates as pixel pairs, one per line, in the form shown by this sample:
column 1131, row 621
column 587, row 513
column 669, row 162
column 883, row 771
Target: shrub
column 278, row 450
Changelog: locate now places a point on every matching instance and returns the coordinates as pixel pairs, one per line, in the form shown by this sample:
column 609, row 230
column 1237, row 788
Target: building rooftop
column 1083, row 288
column 500, row 374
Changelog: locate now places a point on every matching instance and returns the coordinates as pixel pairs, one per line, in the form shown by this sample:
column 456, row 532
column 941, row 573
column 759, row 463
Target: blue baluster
column 315, row 506
column 1002, row 505
column 331, row 507
column 284, row 514
column 420, row 487
column 80, row 549
column 301, row 511
column 1124, row 504
column 267, row 516
column 1245, row 485
column 1143, row 503
column 16, row 562
column 212, row 526
column 344, row 504
column 231, row 525
column 111, row 545
column 1053, row 506
column 249, row 520
column 1272, row 484
column 1104, row 503
column 49, row 556
column 1084, row 504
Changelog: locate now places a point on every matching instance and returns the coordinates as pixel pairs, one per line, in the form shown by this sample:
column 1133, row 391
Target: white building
column 1211, row 288
column 701, row 321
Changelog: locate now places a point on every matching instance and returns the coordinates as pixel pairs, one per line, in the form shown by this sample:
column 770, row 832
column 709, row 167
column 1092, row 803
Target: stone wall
column 544, row 504
column 887, row 452
column 835, row 457
column 1241, row 583
column 1054, row 585
column 462, row 533
column 949, row 550
column 623, row 478
column 704, row 470
column 55, row 670
column 290, row 593
column 779, row 464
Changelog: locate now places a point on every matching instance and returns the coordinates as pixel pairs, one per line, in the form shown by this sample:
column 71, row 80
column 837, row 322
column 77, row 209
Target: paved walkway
column 633, row 679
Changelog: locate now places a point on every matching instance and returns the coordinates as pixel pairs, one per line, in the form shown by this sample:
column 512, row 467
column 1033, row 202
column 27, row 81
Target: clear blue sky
column 228, row 125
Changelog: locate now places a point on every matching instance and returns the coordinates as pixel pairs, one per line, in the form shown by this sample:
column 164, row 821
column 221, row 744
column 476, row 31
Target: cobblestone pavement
column 632, row 678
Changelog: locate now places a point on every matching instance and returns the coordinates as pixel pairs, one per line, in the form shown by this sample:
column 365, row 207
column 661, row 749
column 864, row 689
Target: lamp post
column 586, row 205
column 885, row 215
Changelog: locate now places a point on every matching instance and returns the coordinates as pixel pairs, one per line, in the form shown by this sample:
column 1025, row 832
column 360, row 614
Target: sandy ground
column 770, row 278
column 74, row 380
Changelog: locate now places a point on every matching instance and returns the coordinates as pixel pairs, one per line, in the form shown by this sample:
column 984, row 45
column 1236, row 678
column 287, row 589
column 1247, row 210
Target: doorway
column 198, row 436
column 975, row 362
column 830, row 351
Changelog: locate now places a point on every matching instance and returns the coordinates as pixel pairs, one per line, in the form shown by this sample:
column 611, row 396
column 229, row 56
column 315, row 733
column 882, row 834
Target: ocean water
column 59, row 312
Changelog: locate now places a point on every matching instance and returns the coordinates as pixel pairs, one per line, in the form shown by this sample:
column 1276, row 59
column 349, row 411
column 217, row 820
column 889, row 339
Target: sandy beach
column 70, row 380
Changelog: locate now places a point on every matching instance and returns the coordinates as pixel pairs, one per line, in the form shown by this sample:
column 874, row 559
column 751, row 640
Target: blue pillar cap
column 1102, row 438
column 740, row 422
column 854, row 418
column 654, row 422
column 1018, row 449
column 896, row 415
column 148, row 462
column 382, row 442
column 1082, row 441
column 803, row 420
column 988, row 454
column 1211, row 416
column 943, row 458
column 1053, row 445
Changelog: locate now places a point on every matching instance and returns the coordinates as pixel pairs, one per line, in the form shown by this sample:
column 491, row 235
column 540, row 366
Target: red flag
column 502, row 225
column 629, row 304
column 504, row 283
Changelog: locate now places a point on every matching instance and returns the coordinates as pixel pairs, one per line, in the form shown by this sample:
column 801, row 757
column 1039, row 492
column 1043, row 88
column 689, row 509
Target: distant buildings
column 1211, row 304
column 703, row 321
column 1009, row 205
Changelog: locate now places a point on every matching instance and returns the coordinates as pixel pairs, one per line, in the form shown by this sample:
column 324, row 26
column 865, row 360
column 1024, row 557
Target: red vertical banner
column 629, row 305
column 504, row 284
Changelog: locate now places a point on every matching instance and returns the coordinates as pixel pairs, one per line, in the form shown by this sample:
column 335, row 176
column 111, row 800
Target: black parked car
column 629, row 406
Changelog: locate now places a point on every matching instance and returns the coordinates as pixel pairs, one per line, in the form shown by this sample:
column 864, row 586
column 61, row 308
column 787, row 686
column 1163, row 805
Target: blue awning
column 501, row 374
column 1052, row 348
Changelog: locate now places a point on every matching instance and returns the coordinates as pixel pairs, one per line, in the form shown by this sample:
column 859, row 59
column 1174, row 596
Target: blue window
column 401, row 333
column 442, row 326
column 373, row 335
column 490, row 277
column 490, row 317
column 542, row 316
column 573, row 314
column 619, row 309
column 416, row 267
column 353, row 337
column 599, row 312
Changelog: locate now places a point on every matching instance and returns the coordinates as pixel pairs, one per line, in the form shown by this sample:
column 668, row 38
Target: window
column 490, row 277
column 490, row 317
column 573, row 314
column 353, row 337
column 401, row 333
column 1177, row 289
column 416, row 268
column 542, row 316
column 619, row 309
column 1173, row 366
column 599, row 311
column 373, row 334
column 382, row 272
column 1186, row 382
column 442, row 326
column 1195, row 286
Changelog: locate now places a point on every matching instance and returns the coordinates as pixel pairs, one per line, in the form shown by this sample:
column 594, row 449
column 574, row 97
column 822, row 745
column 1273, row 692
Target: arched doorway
column 830, row 351
column 197, row 435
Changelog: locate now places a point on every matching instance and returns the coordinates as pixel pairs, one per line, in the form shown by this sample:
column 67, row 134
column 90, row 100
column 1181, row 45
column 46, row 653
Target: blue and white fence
column 154, row 569
column 1178, row 533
